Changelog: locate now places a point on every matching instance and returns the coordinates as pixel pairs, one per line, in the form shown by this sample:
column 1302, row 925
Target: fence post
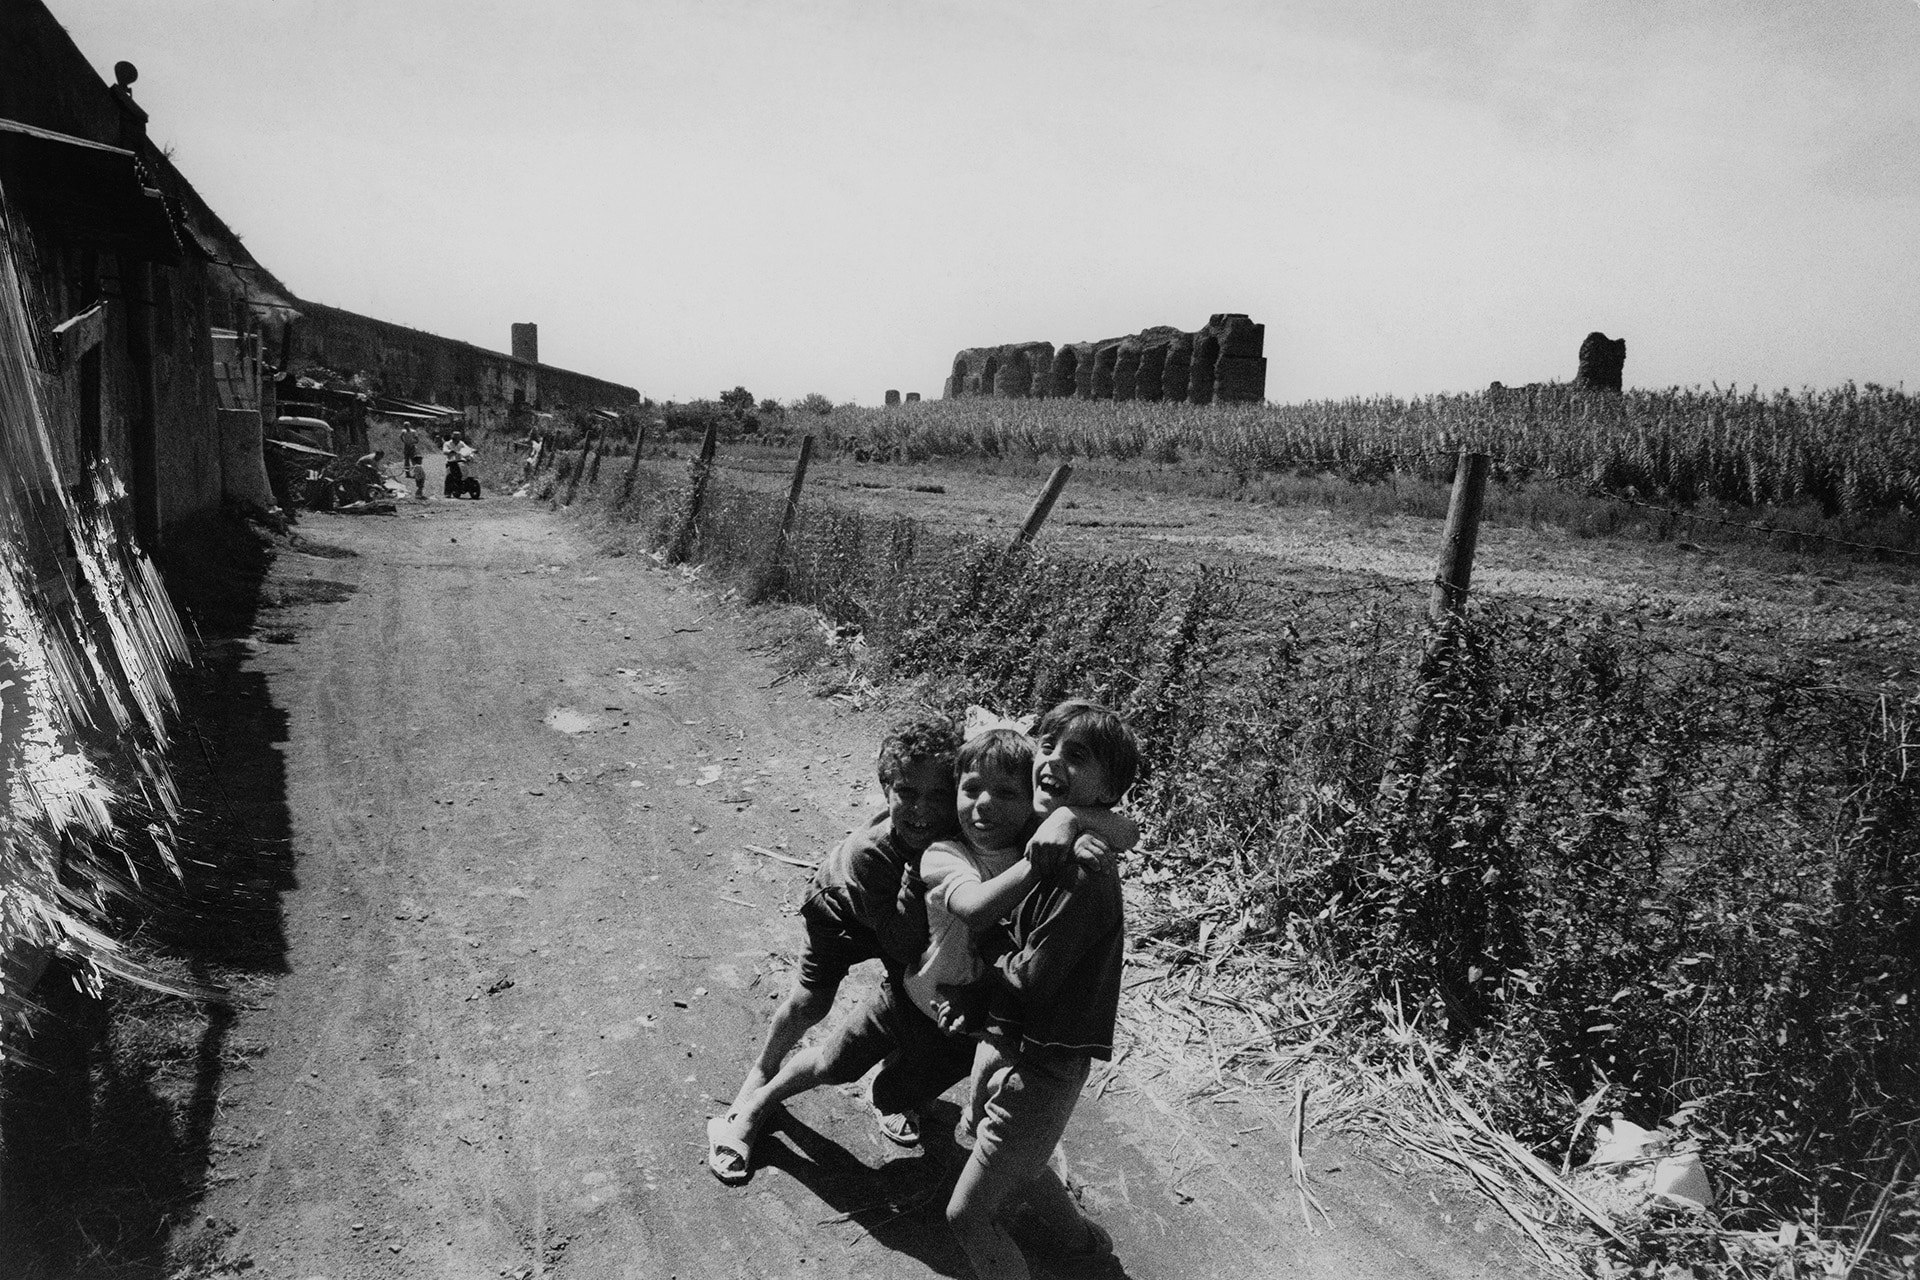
column 1448, row 602
column 633, row 467
column 1455, row 567
column 1042, row 505
column 776, row 569
column 682, row 545
column 573, row 484
column 599, row 452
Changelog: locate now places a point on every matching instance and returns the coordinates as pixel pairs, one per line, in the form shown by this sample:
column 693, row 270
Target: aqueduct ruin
column 1218, row 364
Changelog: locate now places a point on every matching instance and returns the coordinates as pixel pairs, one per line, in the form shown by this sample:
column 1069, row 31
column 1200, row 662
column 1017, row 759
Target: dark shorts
column 922, row 1061
column 835, row 942
column 1028, row 1107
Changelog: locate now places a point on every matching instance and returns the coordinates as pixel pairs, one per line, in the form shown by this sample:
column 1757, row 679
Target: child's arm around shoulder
column 1088, row 834
column 975, row 902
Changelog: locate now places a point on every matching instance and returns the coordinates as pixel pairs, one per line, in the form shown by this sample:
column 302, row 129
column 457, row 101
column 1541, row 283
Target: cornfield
column 1851, row 453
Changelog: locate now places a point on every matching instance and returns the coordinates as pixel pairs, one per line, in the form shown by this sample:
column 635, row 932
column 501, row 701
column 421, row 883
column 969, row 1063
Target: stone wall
column 416, row 365
column 1220, row 363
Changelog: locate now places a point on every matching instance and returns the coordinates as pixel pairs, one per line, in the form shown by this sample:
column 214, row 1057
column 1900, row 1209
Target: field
column 1638, row 832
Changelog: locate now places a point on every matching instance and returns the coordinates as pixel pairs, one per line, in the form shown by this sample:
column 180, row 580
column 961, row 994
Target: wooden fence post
column 633, row 468
column 1448, row 601
column 776, row 568
column 599, row 452
column 1042, row 505
column 573, row 484
column 1455, row 568
column 682, row 545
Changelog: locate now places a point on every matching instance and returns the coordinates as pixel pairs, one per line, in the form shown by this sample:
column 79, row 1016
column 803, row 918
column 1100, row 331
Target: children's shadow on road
column 901, row 1205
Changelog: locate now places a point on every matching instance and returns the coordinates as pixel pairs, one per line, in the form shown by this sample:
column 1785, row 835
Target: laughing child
column 1054, row 998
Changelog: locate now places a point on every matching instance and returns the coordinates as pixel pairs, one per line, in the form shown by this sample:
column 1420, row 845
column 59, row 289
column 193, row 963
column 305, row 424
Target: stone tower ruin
column 1221, row 363
column 526, row 343
column 1603, row 363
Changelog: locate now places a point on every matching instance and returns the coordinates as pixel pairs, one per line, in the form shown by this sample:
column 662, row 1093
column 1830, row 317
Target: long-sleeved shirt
column 1058, row 990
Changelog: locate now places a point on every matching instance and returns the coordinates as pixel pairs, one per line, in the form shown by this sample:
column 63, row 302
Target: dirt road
column 527, row 952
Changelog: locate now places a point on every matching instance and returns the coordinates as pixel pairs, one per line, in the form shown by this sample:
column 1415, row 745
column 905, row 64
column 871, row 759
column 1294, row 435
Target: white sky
column 836, row 196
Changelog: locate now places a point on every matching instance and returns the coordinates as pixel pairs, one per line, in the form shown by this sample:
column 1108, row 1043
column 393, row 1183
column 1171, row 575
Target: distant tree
column 814, row 402
column 771, row 408
column 739, row 400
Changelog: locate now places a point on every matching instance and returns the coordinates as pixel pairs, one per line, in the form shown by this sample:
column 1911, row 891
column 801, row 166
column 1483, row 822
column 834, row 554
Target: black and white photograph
column 764, row 639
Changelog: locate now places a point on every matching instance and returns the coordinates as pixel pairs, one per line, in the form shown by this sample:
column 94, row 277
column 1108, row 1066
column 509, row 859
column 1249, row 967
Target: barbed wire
column 1586, row 485
column 1378, row 583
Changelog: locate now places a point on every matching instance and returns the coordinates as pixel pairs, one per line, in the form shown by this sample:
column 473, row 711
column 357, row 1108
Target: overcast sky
column 835, row 197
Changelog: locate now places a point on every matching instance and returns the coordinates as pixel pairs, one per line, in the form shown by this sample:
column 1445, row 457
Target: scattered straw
column 1297, row 1163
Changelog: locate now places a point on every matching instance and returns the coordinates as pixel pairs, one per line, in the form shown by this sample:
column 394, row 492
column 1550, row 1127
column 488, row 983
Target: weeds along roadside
column 1576, row 864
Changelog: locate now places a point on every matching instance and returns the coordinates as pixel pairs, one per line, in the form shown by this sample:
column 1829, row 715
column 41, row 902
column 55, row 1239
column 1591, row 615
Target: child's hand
column 1051, row 849
column 961, row 1011
column 1094, row 855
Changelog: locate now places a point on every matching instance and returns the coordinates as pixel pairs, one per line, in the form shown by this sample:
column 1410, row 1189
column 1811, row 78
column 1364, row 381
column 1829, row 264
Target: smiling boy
column 863, row 903
column 1054, row 1002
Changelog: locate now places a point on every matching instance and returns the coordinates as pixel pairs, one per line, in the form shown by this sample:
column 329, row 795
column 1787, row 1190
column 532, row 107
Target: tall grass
column 1580, row 856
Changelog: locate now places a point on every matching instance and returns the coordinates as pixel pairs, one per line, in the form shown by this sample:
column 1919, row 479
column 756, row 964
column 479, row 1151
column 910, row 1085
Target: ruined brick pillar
column 1179, row 369
column 1240, row 376
column 893, row 397
column 1206, row 354
column 1126, row 369
column 1066, row 365
column 913, row 397
column 1156, row 344
column 1105, row 356
column 1603, row 363
column 526, row 343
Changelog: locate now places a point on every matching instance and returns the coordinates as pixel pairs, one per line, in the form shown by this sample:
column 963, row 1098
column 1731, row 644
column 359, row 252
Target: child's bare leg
column 808, row 1069
column 799, row 1013
column 846, row 1053
column 974, row 1214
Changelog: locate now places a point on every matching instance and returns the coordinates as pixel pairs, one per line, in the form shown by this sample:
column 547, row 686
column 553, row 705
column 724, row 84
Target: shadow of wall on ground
column 109, row 1107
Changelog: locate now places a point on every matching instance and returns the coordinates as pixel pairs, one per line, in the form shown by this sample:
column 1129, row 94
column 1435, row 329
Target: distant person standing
column 455, row 483
column 409, row 446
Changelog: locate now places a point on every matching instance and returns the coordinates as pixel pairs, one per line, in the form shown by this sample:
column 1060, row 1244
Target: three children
column 1036, row 830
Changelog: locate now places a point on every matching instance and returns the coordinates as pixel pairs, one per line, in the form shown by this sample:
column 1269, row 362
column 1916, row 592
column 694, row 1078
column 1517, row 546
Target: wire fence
column 1592, row 843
